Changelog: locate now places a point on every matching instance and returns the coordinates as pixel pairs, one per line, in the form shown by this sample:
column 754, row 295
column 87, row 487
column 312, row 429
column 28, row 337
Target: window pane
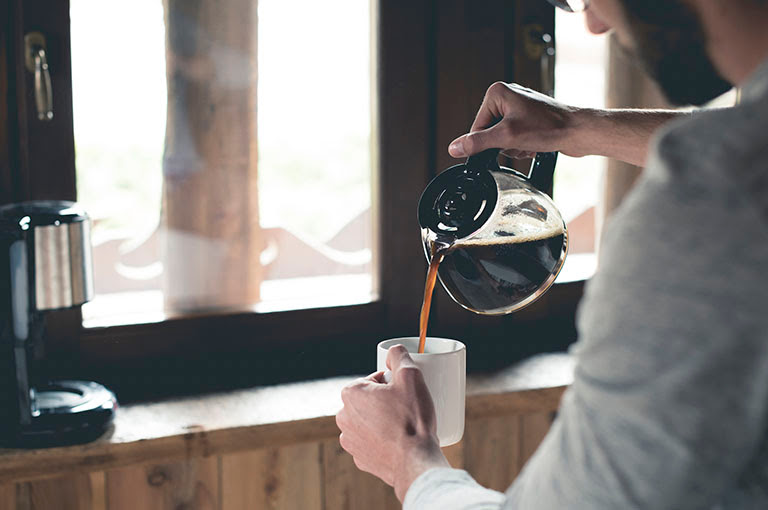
column 580, row 80
column 224, row 151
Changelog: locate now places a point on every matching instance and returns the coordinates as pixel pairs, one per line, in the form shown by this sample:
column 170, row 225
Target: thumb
column 398, row 357
column 495, row 137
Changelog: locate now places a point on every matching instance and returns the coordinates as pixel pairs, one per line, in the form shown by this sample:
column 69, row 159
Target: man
column 669, row 405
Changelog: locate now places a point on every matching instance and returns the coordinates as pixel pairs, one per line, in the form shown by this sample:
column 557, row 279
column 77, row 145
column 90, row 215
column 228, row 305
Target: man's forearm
column 620, row 134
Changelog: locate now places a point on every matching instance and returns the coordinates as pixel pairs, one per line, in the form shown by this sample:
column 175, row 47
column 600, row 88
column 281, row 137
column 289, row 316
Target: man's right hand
column 522, row 122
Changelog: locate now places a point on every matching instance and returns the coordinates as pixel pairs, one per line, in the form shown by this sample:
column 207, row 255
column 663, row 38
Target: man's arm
column 523, row 122
column 668, row 404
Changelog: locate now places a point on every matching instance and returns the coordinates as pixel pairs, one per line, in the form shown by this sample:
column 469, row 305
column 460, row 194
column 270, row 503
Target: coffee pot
column 501, row 239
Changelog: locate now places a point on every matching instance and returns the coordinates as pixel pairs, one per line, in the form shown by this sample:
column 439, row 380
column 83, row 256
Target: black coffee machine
column 45, row 264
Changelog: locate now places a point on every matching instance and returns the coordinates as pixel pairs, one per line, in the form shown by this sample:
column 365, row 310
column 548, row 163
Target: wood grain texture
column 492, row 450
column 190, row 485
column 405, row 96
column 63, row 493
column 533, row 429
column 348, row 488
column 8, row 496
column 283, row 478
column 98, row 490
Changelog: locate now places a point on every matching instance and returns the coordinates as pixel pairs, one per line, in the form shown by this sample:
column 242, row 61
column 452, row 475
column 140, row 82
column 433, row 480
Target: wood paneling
column 533, row 429
column 273, row 478
column 7, row 496
column 306, row 475
column 492, row 450
column 64, row 493
column 192, row 485
column 348, row 488
column 455, row 455
column 496, row 448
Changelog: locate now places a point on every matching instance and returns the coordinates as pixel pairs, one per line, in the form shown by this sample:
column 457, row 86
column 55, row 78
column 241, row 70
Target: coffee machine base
column 68, row 412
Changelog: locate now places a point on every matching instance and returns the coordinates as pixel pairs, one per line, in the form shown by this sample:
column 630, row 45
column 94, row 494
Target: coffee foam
column 520, row 227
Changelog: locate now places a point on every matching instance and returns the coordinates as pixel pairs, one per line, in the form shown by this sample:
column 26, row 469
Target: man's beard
column 671, row 44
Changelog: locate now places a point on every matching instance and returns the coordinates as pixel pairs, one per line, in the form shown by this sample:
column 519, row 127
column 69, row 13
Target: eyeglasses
column 571, row 5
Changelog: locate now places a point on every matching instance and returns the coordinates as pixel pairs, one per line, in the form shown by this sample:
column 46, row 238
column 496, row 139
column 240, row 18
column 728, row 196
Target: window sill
column 267, row 417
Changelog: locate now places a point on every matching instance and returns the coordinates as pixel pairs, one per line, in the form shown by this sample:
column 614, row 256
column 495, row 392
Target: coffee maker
column 45, row 265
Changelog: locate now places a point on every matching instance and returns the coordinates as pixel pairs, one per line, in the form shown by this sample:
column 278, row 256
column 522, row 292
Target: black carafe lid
column 460, row 200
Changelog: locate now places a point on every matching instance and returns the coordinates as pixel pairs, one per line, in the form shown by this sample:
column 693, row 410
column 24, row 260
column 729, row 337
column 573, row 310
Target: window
column 293, row 226
column 383, row 88
column 580, row 77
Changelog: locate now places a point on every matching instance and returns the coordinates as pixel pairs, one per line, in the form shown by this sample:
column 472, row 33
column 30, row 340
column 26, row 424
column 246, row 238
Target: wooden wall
column 304, row 476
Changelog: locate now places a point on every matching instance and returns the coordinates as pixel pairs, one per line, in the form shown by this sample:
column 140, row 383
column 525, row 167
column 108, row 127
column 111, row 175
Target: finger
column 512, row 153
column 397, row 357
column 518, row 154
column 349, row 446
column 496, row 137
column 377, row 377
column 491, row 111
column 351, row 389
column 342, row 418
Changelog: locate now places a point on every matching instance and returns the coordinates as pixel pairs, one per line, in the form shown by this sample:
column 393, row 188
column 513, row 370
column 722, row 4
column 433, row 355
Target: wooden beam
column 210, row 197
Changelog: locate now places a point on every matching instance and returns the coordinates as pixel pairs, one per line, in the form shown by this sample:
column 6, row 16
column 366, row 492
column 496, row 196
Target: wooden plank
column 98, row 490
column 518, row 403
column 405, row 97
column 63, row 493
column 533, row 429
column 348, row 488
column 8, row 496
column 210, row 193
column 192, row 485
column 492, row 450
column 284, row 478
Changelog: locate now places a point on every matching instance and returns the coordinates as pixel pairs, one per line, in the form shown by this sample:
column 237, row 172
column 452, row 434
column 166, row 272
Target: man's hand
column 389, row 428
column 519, row 120
column 522, row 122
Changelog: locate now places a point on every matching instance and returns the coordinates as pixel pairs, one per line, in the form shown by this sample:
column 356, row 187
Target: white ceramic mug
column 444, row 365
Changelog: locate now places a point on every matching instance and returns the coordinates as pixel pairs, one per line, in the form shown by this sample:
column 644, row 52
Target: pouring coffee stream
column 496, row 242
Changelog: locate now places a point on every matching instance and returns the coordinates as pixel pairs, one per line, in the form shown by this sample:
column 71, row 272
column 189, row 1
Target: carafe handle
column 486, row 160
column 542, row 172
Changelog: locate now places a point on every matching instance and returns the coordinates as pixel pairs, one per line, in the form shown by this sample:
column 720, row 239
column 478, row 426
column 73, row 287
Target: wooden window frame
column 435, row 60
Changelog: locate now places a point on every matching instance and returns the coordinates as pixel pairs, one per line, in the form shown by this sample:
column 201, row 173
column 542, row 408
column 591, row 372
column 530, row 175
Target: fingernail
column 456, row 148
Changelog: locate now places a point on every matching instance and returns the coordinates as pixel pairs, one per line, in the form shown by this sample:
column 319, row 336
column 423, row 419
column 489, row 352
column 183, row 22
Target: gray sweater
column 669, row 406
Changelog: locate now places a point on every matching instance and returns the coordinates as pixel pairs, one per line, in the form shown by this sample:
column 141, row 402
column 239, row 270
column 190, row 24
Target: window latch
column 540, row 45
column 37, row 63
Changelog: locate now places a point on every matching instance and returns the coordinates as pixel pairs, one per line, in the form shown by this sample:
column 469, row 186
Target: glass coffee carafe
column 500, row 238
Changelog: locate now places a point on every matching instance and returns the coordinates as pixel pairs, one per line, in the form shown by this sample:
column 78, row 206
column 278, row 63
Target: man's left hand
column 389, row 428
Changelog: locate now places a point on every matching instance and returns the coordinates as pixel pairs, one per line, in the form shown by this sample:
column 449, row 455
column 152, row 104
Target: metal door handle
column 37, row 63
